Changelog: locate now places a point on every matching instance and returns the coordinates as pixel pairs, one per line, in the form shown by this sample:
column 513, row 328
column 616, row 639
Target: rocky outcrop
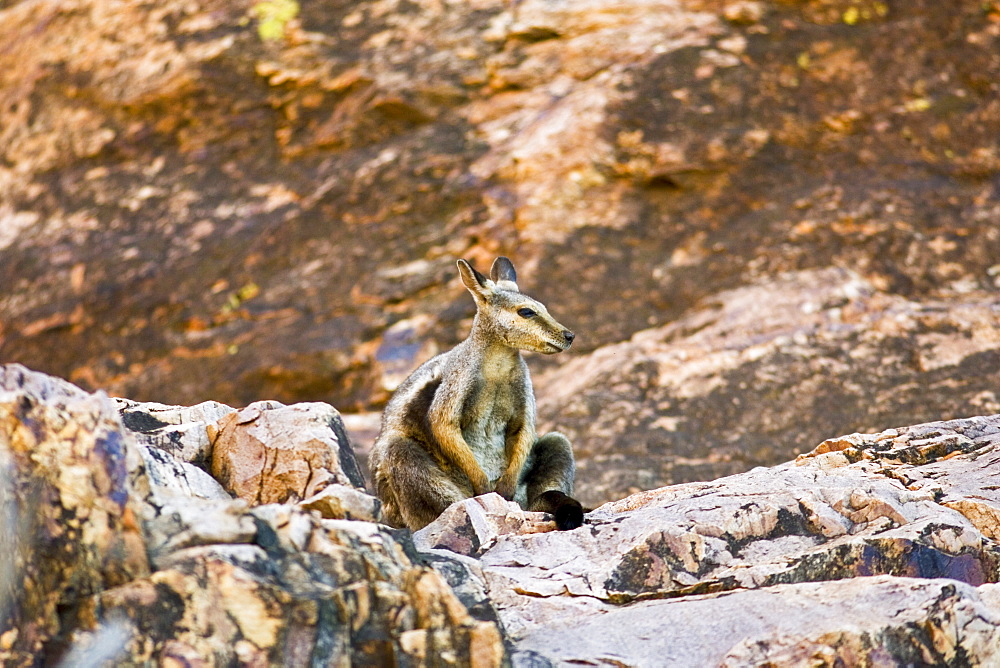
column 871, row 549
column 125, row 560
column 762, row 374
column 72, row 493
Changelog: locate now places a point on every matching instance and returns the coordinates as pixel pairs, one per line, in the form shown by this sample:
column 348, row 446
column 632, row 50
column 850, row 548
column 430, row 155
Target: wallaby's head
column 511, row 317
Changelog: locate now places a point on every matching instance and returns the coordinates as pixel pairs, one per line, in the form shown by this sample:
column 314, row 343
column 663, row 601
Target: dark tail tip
column 567, row 510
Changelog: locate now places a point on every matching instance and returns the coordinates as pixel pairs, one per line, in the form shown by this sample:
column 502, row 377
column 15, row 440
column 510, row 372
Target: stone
column 299, row 590
column 264, row 454
column 72, row 495
column 340, row 502
column 135, row 569
column 308, row 591
column 180, row 430
column 181, row 523
column 170, row 476
column 865, row 621
column 909, row 502
column 472, row 526
column 872, row 548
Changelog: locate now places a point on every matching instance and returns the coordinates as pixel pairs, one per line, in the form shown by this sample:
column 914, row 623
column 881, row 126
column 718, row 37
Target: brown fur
column 463, row 423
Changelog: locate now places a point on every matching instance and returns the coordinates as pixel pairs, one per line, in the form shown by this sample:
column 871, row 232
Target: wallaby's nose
column 568, row 335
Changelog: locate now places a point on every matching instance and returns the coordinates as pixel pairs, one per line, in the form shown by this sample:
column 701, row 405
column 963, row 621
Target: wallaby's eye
column 526, row 313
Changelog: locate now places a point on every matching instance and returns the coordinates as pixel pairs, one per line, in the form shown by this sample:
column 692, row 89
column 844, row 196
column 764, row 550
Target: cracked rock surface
column 872, row 547
column 124, row 557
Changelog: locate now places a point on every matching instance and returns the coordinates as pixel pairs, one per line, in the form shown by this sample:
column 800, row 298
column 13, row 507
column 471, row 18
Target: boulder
column 273, row 454
column 171, row 477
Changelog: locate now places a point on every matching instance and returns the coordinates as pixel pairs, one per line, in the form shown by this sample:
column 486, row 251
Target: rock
column 726, row 389
column 224, row 584
column 265, row 454
column 182, row 523
column 172, row 477
column 864, row 621
column 909, row 502
column 872, row 548
column 180, row 430
column 362, row 430
column 301, row 598
column 72, row 489
column 472, row 526
column 340, row 502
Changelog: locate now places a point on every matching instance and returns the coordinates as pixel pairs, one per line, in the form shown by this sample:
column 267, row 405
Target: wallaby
column 463, row 423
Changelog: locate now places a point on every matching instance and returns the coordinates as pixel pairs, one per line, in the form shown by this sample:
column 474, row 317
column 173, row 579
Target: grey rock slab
column 183, row 431
column 821, row 518
column 170, row 476
column 749, row 627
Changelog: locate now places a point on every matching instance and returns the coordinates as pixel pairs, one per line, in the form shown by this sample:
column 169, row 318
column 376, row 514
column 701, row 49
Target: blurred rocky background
column 768, row 222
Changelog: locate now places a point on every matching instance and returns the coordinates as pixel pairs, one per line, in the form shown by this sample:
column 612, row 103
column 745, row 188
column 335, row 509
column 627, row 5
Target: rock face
column 729, row 388
column 874, row 549
column 72, row 490
column 202, row 200
column 871, row 549
column 126, row 565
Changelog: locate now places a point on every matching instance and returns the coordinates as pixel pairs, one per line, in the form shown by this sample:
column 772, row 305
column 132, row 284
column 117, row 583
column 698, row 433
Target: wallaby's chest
column 490, row 411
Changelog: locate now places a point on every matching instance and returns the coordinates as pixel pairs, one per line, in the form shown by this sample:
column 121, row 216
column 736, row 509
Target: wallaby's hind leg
column 549, row 480
column 412, row 485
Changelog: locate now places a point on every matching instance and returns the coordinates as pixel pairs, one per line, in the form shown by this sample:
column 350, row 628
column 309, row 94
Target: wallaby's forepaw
column 567, row 510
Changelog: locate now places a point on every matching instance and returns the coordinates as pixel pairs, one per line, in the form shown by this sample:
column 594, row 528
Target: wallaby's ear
column 477, row 284
column 503, row 271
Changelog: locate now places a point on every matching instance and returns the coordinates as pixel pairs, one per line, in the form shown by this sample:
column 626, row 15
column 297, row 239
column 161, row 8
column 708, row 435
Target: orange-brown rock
column 270, row 453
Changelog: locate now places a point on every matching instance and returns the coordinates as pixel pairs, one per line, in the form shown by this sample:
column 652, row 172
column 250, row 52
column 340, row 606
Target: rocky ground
column 206, row 535
column 264, row 199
